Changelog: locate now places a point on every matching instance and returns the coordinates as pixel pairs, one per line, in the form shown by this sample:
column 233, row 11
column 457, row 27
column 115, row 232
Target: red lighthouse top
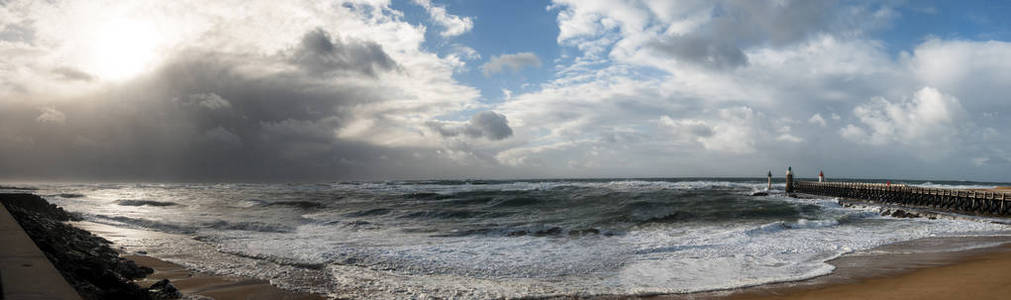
column 820, row 173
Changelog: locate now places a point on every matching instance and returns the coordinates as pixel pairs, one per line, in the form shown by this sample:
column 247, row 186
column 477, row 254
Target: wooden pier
column 956, row 200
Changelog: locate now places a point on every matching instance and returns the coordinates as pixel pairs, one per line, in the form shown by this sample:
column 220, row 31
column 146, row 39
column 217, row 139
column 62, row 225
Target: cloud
column 693, row 128
column 929, row 118
column 488, row 124
column 320, row 54
column 465, row 52
column 818, row 120
column 454, row 25
column 72, row 74
column 787, row 96
column 51, row 115
column 210, row 101
column 222, row 135
column 714, row 34
column 715, row 54
column 512, row 62
column 269, row 100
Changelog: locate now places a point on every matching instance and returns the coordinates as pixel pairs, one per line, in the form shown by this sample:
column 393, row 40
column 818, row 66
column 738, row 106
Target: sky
column 283, row 91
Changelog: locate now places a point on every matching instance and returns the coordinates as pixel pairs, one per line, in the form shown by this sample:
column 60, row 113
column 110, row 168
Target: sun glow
column 121, row 49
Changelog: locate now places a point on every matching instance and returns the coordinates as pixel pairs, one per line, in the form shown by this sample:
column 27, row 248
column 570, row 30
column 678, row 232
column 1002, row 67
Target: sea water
column 481, row 239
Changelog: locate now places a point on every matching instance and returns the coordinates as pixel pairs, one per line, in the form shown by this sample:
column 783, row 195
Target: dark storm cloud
column 207, row 116
column 489, row 124
column 319, row 53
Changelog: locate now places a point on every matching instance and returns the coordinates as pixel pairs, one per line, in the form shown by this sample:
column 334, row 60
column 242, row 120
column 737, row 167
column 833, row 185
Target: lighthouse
column 821, row 176
column 789, row 179
column 769, row 188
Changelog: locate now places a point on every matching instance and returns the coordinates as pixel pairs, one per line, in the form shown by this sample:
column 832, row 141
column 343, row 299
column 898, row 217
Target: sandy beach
column 979, row 276
column 213, row 286
column 897, row 271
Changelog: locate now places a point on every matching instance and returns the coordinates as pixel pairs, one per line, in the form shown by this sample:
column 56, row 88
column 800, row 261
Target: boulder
column 163, row 289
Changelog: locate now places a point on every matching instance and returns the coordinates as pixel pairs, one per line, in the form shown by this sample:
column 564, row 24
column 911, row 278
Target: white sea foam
column 929, row 184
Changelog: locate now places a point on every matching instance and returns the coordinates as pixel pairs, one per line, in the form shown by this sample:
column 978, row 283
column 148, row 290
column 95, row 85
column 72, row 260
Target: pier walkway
column 25, row 272
column 955, row 200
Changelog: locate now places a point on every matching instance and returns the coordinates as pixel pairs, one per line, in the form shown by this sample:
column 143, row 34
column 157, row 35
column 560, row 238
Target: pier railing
column 957, row 200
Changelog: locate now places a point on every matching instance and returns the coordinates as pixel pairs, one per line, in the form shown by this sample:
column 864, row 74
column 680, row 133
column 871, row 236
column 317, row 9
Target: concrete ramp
column 25, row 272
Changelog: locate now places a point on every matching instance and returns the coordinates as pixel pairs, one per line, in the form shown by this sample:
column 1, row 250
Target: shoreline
column 970, row 274
column 854, row 273
column 862, row 271
column 219, row 287
column 188, row 281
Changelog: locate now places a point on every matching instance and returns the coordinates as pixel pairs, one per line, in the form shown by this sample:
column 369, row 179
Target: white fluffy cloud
column 817, row 119
column 454, row 25
column 930, row 120
column 732, row 131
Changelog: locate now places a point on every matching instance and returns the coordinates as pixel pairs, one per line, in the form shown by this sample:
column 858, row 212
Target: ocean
column 510, row 238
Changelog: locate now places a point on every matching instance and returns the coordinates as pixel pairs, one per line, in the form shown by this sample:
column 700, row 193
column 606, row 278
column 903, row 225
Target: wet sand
column 982, row 276
column 905, row 270
column 217, row 287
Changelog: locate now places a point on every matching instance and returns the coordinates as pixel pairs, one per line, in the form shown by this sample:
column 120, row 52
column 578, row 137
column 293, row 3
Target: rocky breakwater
column 86, row 261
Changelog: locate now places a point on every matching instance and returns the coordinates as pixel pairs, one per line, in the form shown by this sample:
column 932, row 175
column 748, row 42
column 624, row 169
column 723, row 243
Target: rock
column 86, row 261
column 578, row 232
column 886, row 212
column 898, row 213
column 760, row 193
column 517, row 233
column 163, row 289
column 549, row 231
